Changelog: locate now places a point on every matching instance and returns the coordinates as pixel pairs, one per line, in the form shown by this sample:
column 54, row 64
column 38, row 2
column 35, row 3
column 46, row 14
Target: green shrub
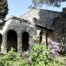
column 40, row 56
column 13, row 59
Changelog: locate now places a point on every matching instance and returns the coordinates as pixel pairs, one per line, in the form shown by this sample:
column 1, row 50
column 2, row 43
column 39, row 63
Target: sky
column 20, row 7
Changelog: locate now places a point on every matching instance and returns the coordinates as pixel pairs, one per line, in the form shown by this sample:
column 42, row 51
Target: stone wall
column 19, row 28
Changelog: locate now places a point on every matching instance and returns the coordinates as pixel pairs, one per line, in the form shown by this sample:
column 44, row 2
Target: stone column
column 19, row 41
column 4, row 44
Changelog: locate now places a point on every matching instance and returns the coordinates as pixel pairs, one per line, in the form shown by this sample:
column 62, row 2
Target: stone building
column 17, row 32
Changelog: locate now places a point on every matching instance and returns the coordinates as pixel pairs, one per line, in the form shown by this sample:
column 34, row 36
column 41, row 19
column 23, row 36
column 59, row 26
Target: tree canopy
column 50, row 2
column 3, row 9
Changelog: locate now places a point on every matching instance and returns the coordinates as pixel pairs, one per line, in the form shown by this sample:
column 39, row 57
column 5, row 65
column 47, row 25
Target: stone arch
column 25, row 41
column 0, row 41
column 11, row 40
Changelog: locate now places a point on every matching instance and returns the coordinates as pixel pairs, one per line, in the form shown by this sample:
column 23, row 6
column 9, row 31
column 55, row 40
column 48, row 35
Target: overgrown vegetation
column 40, row 56
column 13, row 59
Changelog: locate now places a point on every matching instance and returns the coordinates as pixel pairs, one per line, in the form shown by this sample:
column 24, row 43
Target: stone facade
column 12, row 34
column 46, row 20
column 18, row 32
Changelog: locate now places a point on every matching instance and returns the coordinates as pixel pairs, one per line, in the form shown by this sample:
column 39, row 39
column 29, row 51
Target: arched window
column 34, row 19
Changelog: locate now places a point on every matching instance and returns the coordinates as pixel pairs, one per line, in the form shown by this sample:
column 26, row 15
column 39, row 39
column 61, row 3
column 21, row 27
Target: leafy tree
column 3, row 9
column 50, row 2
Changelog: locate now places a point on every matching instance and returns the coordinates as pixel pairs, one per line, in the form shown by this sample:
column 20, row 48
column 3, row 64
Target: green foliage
column 3, row 9
column 49, row 2
column 13, row 59
column 35, row 38
column 40, row 56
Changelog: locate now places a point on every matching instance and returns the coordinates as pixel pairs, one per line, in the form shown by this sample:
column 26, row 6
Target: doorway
column 25, row 41
column 11, row 40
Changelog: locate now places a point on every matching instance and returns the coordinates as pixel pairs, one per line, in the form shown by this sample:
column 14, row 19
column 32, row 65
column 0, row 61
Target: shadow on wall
column 0, row 41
